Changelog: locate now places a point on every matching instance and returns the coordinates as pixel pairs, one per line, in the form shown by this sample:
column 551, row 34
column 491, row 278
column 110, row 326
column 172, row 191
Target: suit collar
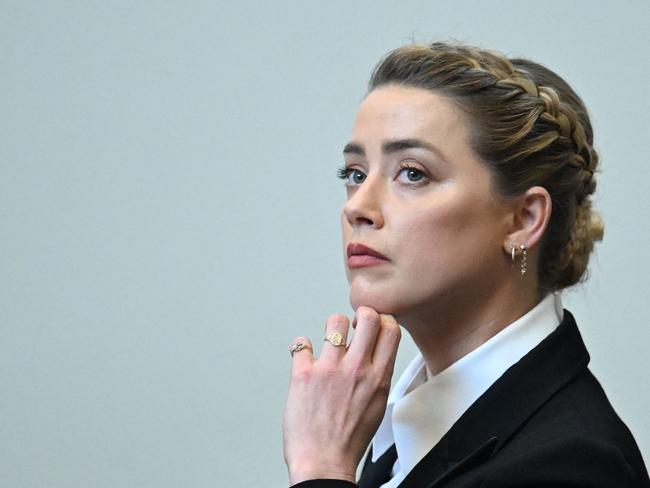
column 490, row 422
column 420, row 411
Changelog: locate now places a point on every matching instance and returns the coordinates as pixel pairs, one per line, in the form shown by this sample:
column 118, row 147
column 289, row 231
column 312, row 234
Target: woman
column 469, row 178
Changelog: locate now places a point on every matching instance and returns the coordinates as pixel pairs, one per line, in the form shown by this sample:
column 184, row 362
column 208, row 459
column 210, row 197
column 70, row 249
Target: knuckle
column 338, row 319
column 387, row 319
column 331, row 372
column 301, row 375
column 358, row 373
column 392, row 330
column 298, row 339
column 367, row 315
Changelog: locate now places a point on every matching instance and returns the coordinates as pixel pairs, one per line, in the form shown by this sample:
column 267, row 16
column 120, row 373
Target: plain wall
column 169, row 217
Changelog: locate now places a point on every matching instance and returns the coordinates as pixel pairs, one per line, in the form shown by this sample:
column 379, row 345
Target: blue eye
column 413, row 175
column 351, row 176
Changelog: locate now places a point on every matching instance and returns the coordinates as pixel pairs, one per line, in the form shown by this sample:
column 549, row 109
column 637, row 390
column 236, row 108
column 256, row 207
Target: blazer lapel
column 497, row 414
column 378, row 473
column 435, row 468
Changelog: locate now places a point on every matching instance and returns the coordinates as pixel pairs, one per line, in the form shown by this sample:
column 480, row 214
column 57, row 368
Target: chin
column 380, row 302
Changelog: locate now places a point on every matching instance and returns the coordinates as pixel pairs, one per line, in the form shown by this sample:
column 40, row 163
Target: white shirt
column 420, row 411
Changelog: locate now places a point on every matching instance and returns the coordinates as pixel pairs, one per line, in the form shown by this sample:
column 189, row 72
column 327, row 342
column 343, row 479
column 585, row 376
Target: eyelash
column 345, row 172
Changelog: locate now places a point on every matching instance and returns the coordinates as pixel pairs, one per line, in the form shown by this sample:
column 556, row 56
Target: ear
column 531, row 215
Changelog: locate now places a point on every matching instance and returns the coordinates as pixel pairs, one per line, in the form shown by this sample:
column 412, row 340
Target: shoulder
column 569, row 460
column 575, row 438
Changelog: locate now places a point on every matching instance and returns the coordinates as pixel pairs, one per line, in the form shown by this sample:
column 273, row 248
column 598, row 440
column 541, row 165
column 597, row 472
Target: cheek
column 432, row 226
column 446, row 235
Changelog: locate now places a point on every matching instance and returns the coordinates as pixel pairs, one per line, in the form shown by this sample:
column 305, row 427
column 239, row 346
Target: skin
column 418, row 194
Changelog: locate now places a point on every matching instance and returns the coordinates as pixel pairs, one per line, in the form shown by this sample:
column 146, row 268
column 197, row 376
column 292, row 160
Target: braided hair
column 529, row 127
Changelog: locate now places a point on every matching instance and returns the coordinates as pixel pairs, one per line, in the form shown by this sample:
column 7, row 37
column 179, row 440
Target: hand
column 336, row 402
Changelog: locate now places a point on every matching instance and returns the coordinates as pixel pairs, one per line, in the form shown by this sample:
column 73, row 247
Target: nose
column 364, row 205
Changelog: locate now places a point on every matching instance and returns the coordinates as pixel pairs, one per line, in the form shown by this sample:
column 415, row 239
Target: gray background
column 169, row 217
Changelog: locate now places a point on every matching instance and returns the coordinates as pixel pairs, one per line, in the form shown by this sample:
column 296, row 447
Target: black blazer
column 545, row 423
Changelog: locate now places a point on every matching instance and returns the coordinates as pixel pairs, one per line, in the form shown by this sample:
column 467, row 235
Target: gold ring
column 298, row 346
column 335, row 338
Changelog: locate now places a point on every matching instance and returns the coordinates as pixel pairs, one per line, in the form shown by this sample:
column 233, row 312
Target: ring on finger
column 336, row 339
column 298, row 346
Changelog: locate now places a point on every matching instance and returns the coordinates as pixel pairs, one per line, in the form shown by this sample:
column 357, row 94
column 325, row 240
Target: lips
column 360, row 256
column 356, row 249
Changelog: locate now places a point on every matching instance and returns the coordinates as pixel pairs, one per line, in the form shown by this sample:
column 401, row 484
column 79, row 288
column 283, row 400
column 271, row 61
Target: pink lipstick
column 360, row 256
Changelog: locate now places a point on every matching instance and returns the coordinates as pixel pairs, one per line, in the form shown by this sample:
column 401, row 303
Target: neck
column 454, row 326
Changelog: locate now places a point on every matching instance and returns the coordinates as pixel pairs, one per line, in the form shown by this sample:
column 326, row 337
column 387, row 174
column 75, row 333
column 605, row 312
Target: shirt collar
column 420, row 412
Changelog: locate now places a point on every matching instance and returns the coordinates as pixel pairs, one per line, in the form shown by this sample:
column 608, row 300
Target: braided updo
column 529, row 127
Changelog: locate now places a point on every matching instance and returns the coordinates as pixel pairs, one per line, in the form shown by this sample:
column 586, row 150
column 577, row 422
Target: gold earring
column 512, row 254
column 524, row 261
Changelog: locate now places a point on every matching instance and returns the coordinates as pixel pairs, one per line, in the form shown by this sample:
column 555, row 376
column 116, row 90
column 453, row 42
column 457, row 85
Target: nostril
column 355, row 216
column 365, row 220
column 363, row 209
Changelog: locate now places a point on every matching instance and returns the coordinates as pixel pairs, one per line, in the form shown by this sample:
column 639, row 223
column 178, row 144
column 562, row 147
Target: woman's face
column 418, row 195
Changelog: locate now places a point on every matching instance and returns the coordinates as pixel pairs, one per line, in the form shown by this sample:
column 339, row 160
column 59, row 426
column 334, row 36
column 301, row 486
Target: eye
column 411, row 174
column 352, row 176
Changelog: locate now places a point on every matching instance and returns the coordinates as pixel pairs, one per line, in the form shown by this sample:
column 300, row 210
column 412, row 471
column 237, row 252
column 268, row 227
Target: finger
column 383, row 357
column 336, row 329
column 302, row 355
column 365, row 334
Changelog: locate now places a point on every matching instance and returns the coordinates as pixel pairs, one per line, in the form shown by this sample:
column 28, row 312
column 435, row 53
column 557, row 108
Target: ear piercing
column 524, row 260
column 524, row 257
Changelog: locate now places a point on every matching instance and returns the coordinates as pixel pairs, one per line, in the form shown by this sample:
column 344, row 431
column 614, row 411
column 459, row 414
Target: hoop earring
column 524, row 260
column 512, row 254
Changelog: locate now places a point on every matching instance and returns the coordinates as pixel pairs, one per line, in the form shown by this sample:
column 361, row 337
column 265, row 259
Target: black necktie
column 376, row 474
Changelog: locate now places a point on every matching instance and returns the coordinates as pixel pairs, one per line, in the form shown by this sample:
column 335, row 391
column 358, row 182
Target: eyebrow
column 396, row 145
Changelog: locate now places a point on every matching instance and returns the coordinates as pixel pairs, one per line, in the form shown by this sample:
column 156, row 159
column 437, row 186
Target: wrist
column 299, row 473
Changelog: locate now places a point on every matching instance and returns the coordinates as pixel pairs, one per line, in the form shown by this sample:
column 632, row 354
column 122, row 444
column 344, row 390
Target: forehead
column 395, row 112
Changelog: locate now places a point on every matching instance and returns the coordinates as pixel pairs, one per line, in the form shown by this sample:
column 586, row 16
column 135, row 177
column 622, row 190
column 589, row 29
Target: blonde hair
column 529, row 127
